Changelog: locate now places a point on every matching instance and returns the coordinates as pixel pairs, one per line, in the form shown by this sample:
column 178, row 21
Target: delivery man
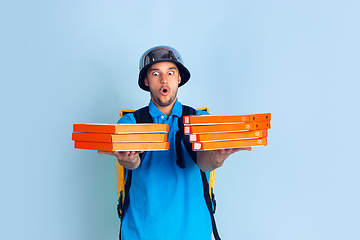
column 166, row 199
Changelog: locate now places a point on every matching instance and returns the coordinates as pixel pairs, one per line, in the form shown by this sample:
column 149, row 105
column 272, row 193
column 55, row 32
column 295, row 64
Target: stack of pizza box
column 121, row 137
column 210, row 132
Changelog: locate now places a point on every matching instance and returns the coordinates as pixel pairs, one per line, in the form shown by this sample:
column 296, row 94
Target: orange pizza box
column 107, row 137
column 217, row 119
column 121, row 128
column 235, row 127
column 228, row 136
column 200, row 146
column 123, row 146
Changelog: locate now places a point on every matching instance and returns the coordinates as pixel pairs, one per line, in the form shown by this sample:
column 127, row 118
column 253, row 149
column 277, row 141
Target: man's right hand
column 128, row 159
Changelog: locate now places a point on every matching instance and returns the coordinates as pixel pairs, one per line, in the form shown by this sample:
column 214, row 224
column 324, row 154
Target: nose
column 163, row 78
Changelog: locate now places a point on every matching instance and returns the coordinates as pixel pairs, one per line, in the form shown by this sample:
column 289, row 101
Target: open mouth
column 164, row 91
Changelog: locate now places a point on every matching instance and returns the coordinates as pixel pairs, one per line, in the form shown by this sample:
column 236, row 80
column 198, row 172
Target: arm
column 210, row 160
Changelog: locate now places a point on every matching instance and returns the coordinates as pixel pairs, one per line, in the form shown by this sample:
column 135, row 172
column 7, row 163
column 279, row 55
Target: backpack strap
column 181, row 137
column 126, row 200
column 142, row 115
column 209, row 204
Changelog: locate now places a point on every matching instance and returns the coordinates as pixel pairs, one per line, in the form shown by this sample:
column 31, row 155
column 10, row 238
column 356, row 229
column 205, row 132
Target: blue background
column 65, row 62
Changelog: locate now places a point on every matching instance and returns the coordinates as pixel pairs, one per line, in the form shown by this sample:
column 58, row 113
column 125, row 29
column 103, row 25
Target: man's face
column 163, row 81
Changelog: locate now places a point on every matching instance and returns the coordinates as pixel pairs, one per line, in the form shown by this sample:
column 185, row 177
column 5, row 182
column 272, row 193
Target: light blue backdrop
column 65, row 62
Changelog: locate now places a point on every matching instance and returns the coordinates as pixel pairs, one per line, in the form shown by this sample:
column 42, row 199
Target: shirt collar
column 155, row 112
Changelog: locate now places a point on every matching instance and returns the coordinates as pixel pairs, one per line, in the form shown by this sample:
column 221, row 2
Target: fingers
column 247, row 148
column 229, row 151
column 127, row 153
column 128, row 159
column 123, row 155
column 131, row 155
column 241, row 149
column 234, row 150
column 128, row 156
column 106, row 152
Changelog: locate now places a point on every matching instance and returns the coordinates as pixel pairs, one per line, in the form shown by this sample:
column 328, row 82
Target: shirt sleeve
column 127, row 119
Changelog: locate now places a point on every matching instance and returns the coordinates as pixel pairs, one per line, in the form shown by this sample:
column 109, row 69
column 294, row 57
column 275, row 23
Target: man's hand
column 210, row 160
column 128, row 159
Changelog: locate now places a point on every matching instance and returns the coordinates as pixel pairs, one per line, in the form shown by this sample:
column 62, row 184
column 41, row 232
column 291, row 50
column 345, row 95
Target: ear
column 179, row 79
column 146, row 82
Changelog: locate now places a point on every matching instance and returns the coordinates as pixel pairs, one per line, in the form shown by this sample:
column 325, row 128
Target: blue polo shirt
column 166, row 202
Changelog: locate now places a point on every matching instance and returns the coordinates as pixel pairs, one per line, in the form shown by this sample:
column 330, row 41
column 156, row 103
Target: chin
column 165, row 103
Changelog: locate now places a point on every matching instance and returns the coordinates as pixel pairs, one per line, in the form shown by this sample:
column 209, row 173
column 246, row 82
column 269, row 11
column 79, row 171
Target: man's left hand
column 210, row 160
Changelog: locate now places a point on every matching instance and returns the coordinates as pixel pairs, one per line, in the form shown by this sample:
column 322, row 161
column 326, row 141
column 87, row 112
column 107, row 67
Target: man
column 165, row 200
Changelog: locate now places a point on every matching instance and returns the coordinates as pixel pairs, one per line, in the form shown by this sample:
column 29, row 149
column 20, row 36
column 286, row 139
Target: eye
column 155, row 73
column 171, row 72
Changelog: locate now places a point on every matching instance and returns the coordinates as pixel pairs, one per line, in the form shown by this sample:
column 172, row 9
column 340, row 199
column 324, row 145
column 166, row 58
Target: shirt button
column 162, row 117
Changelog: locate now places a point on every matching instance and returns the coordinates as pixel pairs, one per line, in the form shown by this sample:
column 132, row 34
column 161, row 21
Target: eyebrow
column 156, row 69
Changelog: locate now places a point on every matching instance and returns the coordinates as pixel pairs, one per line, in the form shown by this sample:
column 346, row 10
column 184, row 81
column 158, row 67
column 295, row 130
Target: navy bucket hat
column 161, row 54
